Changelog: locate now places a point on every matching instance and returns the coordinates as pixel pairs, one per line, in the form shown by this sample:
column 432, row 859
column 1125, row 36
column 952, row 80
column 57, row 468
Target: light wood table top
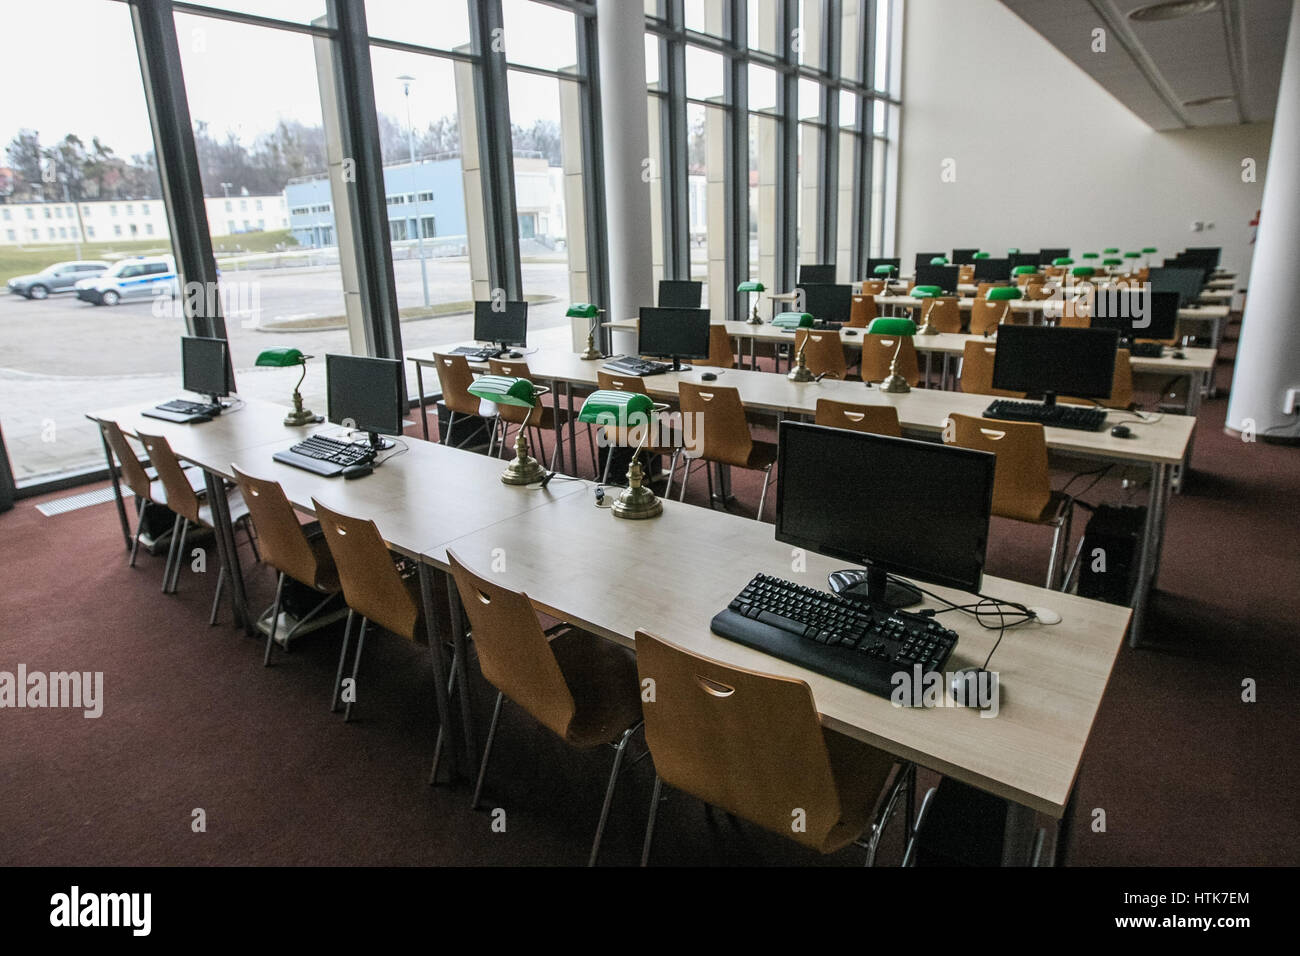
column 578, row 562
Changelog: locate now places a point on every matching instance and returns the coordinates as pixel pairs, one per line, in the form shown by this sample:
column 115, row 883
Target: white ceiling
column 1155, row 68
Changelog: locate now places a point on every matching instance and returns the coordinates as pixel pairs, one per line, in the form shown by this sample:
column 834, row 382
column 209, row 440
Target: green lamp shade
column 1083, row 271
column 884, row 270
column 610, row 407
column 1149, row 250
column 1112, row 262
column 751, row 286
column 1091, row 255
column 281, row 358
column 1024, row 270
column 1062, row 261
column 1132, row 255
column 980, row 255
column 582, row 310
column 1013, row 251
column 1002, row 293
column 939, row 261
column 1111, row 250
column 926, row 291
column 504, row 390
column 889, row 326
column 793, row 320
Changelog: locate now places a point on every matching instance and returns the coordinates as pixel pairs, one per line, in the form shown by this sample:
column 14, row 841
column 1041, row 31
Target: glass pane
column 704, row 74
column 539, row 35
column 81, row 184
column 878, row 117
column 846, row 219
column 764, row 26
column 654, row 8
column 762, row 88
column 810, row 105
column 811, row 33
column 706, row 16
column 295, row 11
column 442, row 25
column 808, row 193
column 707, row 203
column 851, row 52
column 261, row 136
column 764, row 143
column 877, row 196
column 848, row 109
column 883, row 28
column 652, row 61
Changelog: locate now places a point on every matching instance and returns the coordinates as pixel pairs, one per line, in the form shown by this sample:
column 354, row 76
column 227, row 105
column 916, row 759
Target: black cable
column 402, row 450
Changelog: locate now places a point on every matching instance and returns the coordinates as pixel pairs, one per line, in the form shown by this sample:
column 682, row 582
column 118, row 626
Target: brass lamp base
column 637, row 501
column 895, row 384
column 591, row 353
column 800, row 373
column 524, row 470
column 927, row 329
column 300, row 415
column 753, row 316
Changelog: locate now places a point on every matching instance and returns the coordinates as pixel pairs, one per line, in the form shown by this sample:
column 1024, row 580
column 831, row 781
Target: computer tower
column 1108, row 566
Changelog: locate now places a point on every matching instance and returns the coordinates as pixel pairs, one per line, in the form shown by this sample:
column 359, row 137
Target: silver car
column 60, row 277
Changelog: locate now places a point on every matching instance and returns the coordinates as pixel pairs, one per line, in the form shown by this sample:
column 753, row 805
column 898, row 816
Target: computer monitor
column 820, row 273
column 829, row 303
column 1136, row 313
column 674, row 334
column 1185, row 281
column 1051, row 361
column 680, row 294
column 505, row 327
column 1211, row 253
column 872, row 263
column 914, row 508
column 992, row 270
column 963, row 257
column 365, row 394
column 1024, row 259
column 205, row 367
column 1047, row 256
column 923, row 258
column 945, row 277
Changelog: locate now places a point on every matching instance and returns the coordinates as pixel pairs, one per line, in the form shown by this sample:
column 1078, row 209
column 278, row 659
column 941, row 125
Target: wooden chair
column 1022, row 487
column 455, row 378
column 619, row 438
column 824, row 352
column 1035, row 291
column 190, row 510
column 942, row 312
column 720, row 354
column 986, row 316
column 878, row 352
column 875, row 419
column 874, row 286
column 372, row 587
column 542, row 420
column 753, row 745
column 295, row 551
column 977, row 370
column 1121, row 389
column 862, row 310
column 966, row 274
column 581, row 687
column 723, row 435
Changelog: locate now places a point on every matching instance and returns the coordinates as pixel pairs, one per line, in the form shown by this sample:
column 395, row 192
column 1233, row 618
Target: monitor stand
column 379, row 443
column 872, row 586
column 678, row 366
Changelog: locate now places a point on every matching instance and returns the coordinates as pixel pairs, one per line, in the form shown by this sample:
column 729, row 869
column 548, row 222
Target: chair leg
column 555, row 453
column 216, row 598
column 685, row 478
column 451, row 419
column 442, row 730
column 175, row 582
column 708, row 473
column 672, row 470
column 487, row 751
column 140, row 507
column 343, row 656
column 762, row 498
column 171, row 553
column 591, row 444
column 886, row 813
column 609, row 790
column 275, row 619
column 356, row 666
column 252, row 541
column 650, row 824
column 609, row 458
column 1051, row 560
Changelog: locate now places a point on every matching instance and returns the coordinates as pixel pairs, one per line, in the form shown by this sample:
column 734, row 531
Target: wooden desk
column 604, row 574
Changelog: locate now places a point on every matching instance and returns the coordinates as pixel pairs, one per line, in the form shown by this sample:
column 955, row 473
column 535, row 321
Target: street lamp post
column 406, row 80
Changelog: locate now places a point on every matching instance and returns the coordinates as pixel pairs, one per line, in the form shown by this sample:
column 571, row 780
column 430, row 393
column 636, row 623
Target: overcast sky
column 77, row 70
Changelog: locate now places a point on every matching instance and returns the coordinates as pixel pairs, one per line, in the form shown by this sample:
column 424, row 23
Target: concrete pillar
column 472, row 181
column 625, row 144
column 1268, row 353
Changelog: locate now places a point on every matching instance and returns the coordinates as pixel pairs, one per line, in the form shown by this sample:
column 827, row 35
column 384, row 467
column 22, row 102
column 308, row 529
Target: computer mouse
column 1121, row 431
column 1178, row 355
column 850, row 331
column 975, row 687
column 709, row 377
column 357, row 471
column 516, row 355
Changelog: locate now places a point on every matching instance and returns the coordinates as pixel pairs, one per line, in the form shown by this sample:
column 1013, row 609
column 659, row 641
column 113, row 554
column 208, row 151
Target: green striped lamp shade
column 582, row 310
column 891, row 326
column 1149, row 250
column 1003, row 293
column 1013, row 251
column 504, row 390
column 926, row 291
column 1132, row 255
column 980, row 255
column 1112, row 262
column 1062, row 261
column 1082, row 271
column 610, row 407
column 793, row 320
column 884, row 270
column 1091, row 255
column 1111, row 250
column 939, row 261
column 751, row 285
column 1024, row 270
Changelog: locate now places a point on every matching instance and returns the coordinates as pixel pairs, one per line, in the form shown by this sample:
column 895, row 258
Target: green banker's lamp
column 585, row 310
column 903, row 328
column 939, row 261
column 1148, row 251
column 1112, row 263
column 749, row 287
column 885, row 270
column 630, row 410
column 1111, row 251
column 1090, row 255
column 283, row 358
column 1024, row 270
column 1013, row 251
column 1083, row 273
column 980, row 255
column 505, row 390
column 924, row 292
column 793, row 320
column 1062, row 261
column 1003, row 293
column 1133, row 255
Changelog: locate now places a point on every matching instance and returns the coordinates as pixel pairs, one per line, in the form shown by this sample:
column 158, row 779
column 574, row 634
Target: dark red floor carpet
column 1186, row 772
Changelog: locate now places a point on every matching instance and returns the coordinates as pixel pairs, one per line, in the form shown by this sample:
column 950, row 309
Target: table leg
column 573, row 429
column 753, row 355
column 117, row 491
column 225, row 535
column 1150, row 546
column 446, row 730
column 462, row 674
column 1018, row 833
column 419, row 386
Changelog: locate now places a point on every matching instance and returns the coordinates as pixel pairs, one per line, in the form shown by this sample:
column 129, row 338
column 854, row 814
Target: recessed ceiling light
column 1207, row 100
column 1171, row 10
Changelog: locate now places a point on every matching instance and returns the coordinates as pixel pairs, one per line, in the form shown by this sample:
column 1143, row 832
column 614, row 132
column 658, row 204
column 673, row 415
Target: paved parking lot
column 61, row 357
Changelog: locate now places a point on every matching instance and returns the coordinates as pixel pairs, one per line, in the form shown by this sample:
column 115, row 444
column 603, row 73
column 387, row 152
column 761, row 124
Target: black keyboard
column 479, row 354
column 180, row 410
column 1146, row 350
column 325, row 456
column 850, row 641
column 1084, row 418
column 635, row 366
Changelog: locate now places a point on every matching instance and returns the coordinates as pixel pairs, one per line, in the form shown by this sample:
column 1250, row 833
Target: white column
column 625, row 144
column 1268, row 353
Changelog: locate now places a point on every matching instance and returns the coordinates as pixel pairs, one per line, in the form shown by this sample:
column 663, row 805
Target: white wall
column 982, row 88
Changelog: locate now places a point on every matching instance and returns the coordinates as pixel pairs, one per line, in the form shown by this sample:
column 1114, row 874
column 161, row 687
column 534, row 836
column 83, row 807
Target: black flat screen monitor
column 1047, row 256
column 923, row 258
column 829, row 303
column 365, row 394
column 992, row 270
column 1212, row 254
column 945, row 277
column 1186, row 282
column 673, row 334
column 1024, row 259
column 680, row 294
column 1136, row 314
column 205, row 366
column 898, row 506
column 872, row 263
column 963, row 257
column 506, row 326
column 1051, row 361
column 820, row 273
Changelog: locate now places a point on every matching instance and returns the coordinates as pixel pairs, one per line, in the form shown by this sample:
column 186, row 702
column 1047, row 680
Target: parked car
column 60, row 277
column 139, row 277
